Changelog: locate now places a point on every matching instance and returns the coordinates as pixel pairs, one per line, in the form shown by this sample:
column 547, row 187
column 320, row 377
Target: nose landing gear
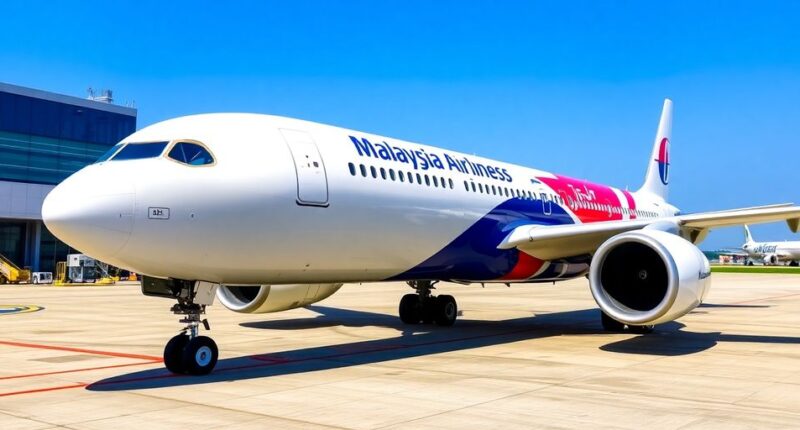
column 426, row 308
column 187, row 353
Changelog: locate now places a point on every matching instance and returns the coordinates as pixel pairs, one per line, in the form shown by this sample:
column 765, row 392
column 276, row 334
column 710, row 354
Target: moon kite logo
column 663, row 161
column 19, row 309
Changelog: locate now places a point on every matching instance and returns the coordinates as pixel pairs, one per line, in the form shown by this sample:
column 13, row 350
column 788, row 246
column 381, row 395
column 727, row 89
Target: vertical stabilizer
column 656, row 182
column 748, row 238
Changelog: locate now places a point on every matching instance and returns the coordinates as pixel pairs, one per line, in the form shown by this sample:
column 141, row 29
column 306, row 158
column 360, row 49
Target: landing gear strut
column 187, row 353
column 427, row 308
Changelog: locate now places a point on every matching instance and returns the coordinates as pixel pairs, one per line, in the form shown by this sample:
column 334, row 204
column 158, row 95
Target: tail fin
column 747, row 236
column 657, row 179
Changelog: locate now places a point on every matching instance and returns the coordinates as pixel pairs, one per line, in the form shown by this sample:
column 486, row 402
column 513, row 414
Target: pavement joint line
column 187, row 404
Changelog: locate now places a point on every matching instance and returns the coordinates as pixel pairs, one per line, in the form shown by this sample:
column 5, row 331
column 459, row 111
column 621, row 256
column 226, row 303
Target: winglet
column 656, row 181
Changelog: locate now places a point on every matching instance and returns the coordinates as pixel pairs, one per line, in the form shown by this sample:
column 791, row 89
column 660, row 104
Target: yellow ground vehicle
column 11, row 274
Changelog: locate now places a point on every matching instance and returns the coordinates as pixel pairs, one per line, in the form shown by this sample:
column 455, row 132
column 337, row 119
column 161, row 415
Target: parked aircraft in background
column 271, row 213
column 770, row 252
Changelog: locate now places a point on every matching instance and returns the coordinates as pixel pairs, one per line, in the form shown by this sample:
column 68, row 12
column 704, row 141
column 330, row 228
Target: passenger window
column 363, row 170
column 473, row 187
column 419, row 179
column 480, row 187
column 400, row 175
column 352, row 168
column 466, row 185
column 195, row 155
column 450, row 181
column 383, row 173
column 410, row 178
column 138, row 151
column 391, row 174
column 427, row 181
column 373, row 171
column 435, row 182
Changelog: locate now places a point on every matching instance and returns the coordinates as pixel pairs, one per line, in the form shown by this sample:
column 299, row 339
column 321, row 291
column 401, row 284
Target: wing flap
column 561, row 241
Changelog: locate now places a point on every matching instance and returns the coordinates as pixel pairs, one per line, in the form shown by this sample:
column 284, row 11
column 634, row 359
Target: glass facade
column 44, row 138
column 43, row 141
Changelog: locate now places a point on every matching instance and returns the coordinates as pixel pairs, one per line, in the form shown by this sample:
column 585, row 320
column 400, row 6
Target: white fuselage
column 781, row 251
column 287, row 201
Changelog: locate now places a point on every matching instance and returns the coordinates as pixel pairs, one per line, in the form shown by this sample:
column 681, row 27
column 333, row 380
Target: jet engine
column 770, row 259
column 648, row 277
column 260, row 299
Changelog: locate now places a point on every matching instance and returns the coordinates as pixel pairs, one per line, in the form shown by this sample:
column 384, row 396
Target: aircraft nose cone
column 91, row 212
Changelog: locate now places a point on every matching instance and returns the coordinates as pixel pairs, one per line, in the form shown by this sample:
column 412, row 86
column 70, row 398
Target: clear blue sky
column 571, row 87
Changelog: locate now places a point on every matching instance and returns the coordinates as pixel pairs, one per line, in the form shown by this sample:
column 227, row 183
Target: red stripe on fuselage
column 588, row 201
column 526, row 267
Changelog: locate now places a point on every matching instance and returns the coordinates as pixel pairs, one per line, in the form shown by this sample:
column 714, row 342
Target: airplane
column 770, row 252
column 268, row 213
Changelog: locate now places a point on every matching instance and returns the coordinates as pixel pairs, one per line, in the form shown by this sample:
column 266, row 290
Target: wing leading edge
column 561, row 241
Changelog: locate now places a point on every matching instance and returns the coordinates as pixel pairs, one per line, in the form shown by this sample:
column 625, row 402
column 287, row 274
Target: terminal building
column 44, row 138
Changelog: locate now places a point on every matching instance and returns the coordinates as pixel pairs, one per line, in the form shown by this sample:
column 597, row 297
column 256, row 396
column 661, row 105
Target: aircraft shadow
column 415, row 341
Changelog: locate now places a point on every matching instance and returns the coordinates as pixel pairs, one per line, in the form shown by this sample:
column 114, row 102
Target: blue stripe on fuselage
column 474, row 255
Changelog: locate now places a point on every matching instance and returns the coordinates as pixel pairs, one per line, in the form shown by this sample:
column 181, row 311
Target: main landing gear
column 189, row 353
column 610, row 324
column 423, row 307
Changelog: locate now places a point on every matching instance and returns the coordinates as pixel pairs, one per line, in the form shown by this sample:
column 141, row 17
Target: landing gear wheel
column 173, row 354
column 410, row 309
column 641, row 329
column 446, row 310
column 610, row 324
column 200, row 355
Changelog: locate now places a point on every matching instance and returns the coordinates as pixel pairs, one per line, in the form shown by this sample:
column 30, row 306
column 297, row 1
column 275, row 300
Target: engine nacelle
column 648, row 277
column 260, row 299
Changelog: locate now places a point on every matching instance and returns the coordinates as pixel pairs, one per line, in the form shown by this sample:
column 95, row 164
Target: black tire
column 410, row 309
column 446, row 311
column 641, row 329
column 200, row 356
column 173, row 354
column 610, row 324
column 793, row 263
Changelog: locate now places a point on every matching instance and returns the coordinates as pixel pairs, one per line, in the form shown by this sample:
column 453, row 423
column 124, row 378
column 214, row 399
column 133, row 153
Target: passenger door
column 547, row 207
column 312, row 181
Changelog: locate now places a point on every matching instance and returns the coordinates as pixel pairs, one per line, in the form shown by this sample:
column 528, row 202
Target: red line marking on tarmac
column 81, row 350
column 85, row 369
column 42, row 390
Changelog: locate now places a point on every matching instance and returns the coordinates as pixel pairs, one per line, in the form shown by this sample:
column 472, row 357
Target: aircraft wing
column 560, row 241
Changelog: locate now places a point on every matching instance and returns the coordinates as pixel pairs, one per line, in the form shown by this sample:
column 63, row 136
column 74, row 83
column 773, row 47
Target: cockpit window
column 190, row 153
column 137, row 151
column 111, row 151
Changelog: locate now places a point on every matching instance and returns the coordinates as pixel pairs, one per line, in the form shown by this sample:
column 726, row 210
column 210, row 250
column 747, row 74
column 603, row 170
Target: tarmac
column 528, row 356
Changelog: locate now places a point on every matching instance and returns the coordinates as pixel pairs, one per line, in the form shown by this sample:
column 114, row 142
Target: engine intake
column 259, row 299
column 648, row 277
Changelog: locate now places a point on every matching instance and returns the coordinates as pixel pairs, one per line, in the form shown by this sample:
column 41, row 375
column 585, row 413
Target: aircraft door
column 312, row 181
column 547, row 207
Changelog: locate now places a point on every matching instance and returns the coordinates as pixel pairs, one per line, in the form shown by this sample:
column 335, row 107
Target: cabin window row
column 613, row 209
column 399, row 176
